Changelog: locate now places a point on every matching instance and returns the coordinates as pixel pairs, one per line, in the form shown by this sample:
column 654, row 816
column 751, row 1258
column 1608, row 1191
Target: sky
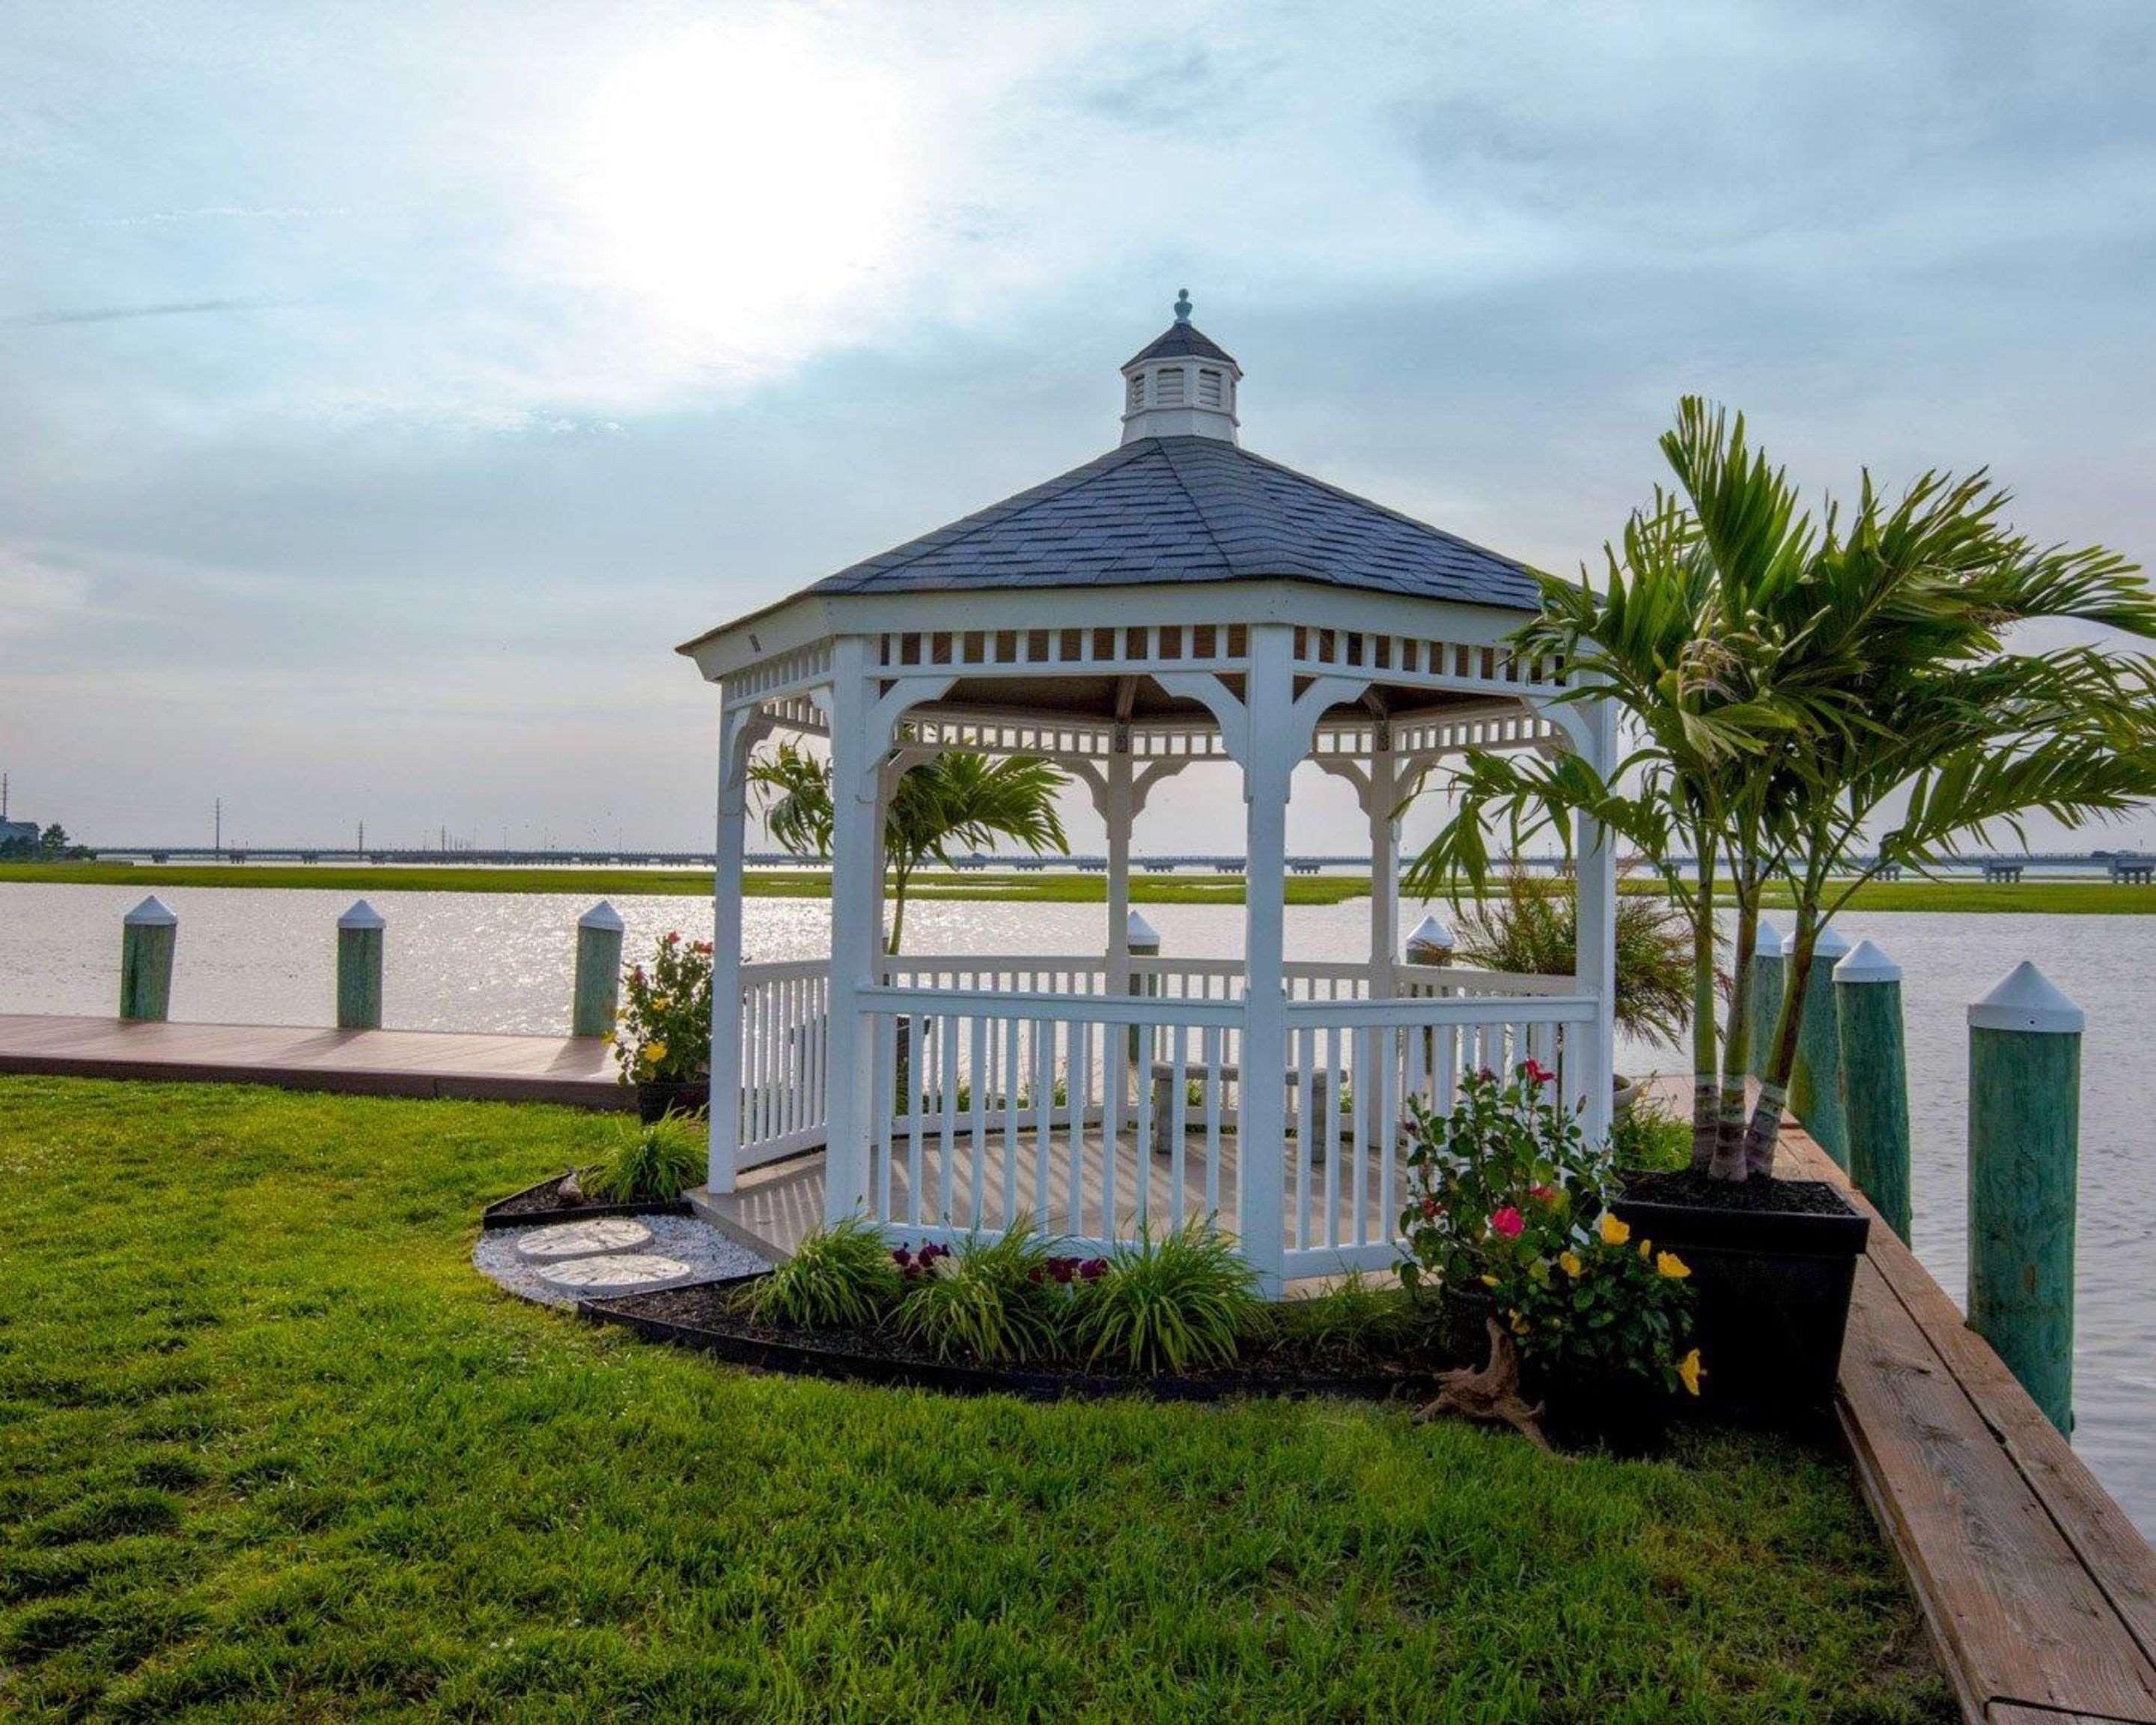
column 385, row 389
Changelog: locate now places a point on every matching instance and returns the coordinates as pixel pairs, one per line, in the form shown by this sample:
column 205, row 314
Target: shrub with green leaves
column 841, row 1276
column 1165, row 1305
column 991, row 1300
column 652, row 1164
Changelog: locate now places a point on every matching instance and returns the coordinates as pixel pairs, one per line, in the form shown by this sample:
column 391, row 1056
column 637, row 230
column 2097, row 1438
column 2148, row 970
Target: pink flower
column 1541, row 1194
column 1507, row 1222
column 1431, row 1206
column 1538, row 1074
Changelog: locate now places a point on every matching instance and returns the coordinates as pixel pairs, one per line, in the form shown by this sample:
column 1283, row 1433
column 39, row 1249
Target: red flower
column 1541, row 1194
column 1538, row 1074
column 1093, row 1269
column 672, row 936
column 1431, row 1206
column 1507, row 1222
column 902, row 1257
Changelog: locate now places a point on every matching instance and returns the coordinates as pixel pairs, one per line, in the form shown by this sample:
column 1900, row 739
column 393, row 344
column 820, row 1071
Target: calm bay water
column 501, row 962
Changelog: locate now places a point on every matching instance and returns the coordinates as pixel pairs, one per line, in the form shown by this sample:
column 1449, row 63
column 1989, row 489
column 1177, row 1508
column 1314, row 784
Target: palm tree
column 955, row 798
column 1906, row 613
column 1655, row 638
column 1783, row 685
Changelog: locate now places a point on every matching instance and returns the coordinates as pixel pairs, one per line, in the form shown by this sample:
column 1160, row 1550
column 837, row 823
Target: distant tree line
column 51, row 845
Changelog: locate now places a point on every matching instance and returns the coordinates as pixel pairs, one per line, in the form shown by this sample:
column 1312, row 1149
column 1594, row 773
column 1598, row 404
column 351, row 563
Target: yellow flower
column 1646, row 1248
column 1669, row 1264
column 1519, row 1325
column 1569, row 1263
column 654, row 1052
column 1689, row 1369
column 658, row 1002
column 1615, row 1233
column 1489, row 1281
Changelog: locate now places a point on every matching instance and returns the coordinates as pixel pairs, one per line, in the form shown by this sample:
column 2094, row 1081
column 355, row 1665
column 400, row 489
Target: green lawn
column 270, row 1450
column 2059, row 897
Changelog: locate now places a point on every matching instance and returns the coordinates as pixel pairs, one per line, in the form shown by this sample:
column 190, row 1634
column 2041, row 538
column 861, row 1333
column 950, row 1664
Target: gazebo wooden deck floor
column 772, row 1207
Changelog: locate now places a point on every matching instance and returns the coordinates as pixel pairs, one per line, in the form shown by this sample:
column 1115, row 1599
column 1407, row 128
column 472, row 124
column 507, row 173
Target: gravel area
column 707, row 1251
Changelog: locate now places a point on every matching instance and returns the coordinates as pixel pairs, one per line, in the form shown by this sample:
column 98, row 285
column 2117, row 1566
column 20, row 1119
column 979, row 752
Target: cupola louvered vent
column 1208, row 388
column 1168, row 391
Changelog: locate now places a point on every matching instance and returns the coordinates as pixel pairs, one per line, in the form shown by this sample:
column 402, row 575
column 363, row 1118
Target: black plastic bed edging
column 820, row 1360
column 493, row 1215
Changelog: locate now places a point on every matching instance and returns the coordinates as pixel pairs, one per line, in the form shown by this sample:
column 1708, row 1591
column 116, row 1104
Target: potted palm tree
column 1781, row 685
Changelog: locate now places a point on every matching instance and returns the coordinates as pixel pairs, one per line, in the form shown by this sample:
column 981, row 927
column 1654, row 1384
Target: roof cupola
column 1183, row 385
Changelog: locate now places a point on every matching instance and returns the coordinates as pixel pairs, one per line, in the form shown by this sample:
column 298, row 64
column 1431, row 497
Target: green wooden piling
column 1815, row 1083
column 1767, row 967
column 148, row 934
column 2024, row 1089
column 360, row 939
column 1875, row 1080
column 596, row 994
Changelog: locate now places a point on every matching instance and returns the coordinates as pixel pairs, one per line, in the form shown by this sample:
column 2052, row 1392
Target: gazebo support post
column 1269, row 758
column 856, row 938
column 739, row 733
column 1595, row 888
column 1380, row 801
column 1118, row 814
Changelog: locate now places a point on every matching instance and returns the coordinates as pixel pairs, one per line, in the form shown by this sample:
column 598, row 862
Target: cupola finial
column 1183, row 384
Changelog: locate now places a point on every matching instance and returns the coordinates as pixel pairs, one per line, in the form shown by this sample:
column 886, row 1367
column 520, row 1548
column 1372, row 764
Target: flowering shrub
column 663, row 1032
column 1502, row 1174
column 993, row 1300
column 1507, row 1201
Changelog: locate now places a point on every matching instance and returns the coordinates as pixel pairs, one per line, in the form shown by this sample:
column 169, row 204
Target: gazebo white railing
column 1176, row 603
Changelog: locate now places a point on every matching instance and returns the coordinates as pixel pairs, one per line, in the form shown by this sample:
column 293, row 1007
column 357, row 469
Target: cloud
column 35, row 596
column 122, row 314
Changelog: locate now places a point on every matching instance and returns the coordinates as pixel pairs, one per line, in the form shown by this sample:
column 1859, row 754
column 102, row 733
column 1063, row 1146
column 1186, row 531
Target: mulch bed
column 703, row 1317
column 545, row 1203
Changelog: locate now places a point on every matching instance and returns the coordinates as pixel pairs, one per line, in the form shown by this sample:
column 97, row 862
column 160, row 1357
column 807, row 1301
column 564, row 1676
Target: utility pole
column 218, row 844
column 361, row 846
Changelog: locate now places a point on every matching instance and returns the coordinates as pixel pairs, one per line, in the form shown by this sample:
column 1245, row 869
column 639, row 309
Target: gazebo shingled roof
column 1191, row 509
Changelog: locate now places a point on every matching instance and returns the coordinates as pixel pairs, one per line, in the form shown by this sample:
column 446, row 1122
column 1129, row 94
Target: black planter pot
column 1772, row 1286
column 1626, row 1416
column 655, row 1100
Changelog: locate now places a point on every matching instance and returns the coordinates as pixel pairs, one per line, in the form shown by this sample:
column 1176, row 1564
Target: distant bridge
column 2119, row 865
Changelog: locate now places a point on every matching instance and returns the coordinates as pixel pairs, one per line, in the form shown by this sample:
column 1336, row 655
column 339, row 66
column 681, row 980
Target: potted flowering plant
column 1507, row 1213
column 663, row 1032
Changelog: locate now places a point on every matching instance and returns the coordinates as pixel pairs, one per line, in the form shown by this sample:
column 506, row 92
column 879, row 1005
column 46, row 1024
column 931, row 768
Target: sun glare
column 743, row 187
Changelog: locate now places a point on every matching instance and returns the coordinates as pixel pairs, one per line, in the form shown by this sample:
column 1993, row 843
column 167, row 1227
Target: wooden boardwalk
column 578, row 1072
column 2041, row 1593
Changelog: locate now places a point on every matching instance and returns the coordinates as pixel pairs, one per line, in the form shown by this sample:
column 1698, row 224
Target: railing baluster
column 1305, row 1046
column 947, row 1028
column 1178, row 1105
column 1331, row 1139
column 1010, row 1119
column 1044, row 1090
column 919, row 1042
column 1079, row 1061
column 1216, row 1058
column 980, row 1144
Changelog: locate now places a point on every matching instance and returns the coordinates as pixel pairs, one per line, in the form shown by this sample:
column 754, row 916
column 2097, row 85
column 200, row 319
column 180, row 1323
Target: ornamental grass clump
column 1186, row 1299
column 652, row 1164
column 996, row 1301
column 663, row 1032
column 840, row 1277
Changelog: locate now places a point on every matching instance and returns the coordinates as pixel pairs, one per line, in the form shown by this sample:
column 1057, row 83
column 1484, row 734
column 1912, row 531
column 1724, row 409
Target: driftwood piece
column 1491, row 1394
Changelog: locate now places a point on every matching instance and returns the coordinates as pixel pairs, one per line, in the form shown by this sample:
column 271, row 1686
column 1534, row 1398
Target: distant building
column 11, row 830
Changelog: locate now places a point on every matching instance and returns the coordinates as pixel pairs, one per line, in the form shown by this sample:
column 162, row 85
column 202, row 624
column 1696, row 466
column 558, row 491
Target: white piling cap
column 602, row 915
column 1139, row 933
column 362, row 915
column 1431, row 932
column 1770, row 938
column 1830, row 943
column 150, row 914
column 2027, row 1000
column 1867, row 964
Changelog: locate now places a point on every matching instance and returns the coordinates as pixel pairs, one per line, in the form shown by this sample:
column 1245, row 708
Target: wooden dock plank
column 2040, row 1592
column 579, row 1072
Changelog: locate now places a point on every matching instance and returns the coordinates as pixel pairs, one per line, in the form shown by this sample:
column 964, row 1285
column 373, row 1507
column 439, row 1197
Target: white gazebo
column 1177, row 600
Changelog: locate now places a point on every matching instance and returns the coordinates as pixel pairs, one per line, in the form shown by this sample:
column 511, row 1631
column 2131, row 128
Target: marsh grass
column 270, row 1450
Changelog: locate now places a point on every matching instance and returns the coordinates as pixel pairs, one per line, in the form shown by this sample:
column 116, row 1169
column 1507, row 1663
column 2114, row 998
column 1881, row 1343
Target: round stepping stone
column 582, row 1239
column 618, row 1273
